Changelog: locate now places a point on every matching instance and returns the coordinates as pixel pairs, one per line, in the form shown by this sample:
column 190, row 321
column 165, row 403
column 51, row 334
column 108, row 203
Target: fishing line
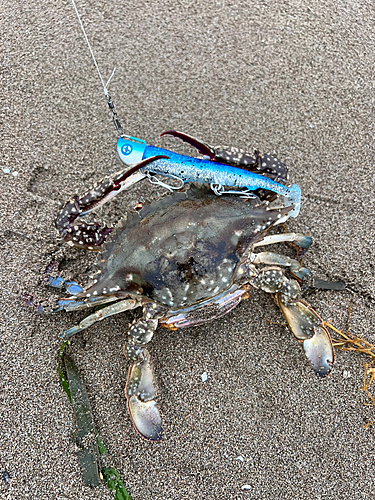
column 105, row 89
column 91, row 52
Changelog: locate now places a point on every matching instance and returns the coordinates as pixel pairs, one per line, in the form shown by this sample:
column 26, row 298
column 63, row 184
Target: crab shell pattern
column 186, row 259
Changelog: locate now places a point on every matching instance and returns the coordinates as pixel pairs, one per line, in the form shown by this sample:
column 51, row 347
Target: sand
column 291, row 78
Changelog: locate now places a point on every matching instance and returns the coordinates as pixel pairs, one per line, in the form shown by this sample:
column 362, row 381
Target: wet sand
column 294, row 79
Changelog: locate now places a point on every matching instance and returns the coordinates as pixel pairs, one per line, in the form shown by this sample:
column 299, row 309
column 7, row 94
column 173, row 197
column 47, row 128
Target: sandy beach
column 295, row 79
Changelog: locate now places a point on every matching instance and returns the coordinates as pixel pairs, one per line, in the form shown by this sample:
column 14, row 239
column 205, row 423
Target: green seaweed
column 87, row 437
column 63, row 380
column 115, row 484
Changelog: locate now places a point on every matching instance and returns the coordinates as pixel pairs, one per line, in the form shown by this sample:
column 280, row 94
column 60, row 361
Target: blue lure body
column 132, row 150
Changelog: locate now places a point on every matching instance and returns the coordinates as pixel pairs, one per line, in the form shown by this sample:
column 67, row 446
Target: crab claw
column 203, row 148
column 319, row 351
column 140, row 391
column 146, row 418
column 307, row 327
column 91, row 236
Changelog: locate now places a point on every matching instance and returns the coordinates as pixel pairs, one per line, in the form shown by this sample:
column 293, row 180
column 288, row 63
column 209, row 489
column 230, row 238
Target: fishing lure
column 219, row 174
column 132, row 150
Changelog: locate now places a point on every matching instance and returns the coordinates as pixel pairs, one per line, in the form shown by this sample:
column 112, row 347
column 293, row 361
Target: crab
column 185, row 259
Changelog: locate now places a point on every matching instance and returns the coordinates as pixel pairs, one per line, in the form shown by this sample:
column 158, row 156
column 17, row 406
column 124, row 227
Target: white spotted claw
column 300, row 317
column 141, row 380
column 141, row 389
column 308, row 328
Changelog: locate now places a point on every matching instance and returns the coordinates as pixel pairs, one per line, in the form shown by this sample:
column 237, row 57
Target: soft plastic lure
column 132, row 150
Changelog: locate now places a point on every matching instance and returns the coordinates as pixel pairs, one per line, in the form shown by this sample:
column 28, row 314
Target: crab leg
column 296, row 270
column 254, row 162
column 73, row 304
column 123, row 305
column 275, row 259
column 141, row 388
column 71, row 287
column 90, row 236
column 305, row 324
column 300, row 240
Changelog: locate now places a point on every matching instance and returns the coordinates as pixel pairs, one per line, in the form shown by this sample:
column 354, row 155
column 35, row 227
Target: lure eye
column 126, row 149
